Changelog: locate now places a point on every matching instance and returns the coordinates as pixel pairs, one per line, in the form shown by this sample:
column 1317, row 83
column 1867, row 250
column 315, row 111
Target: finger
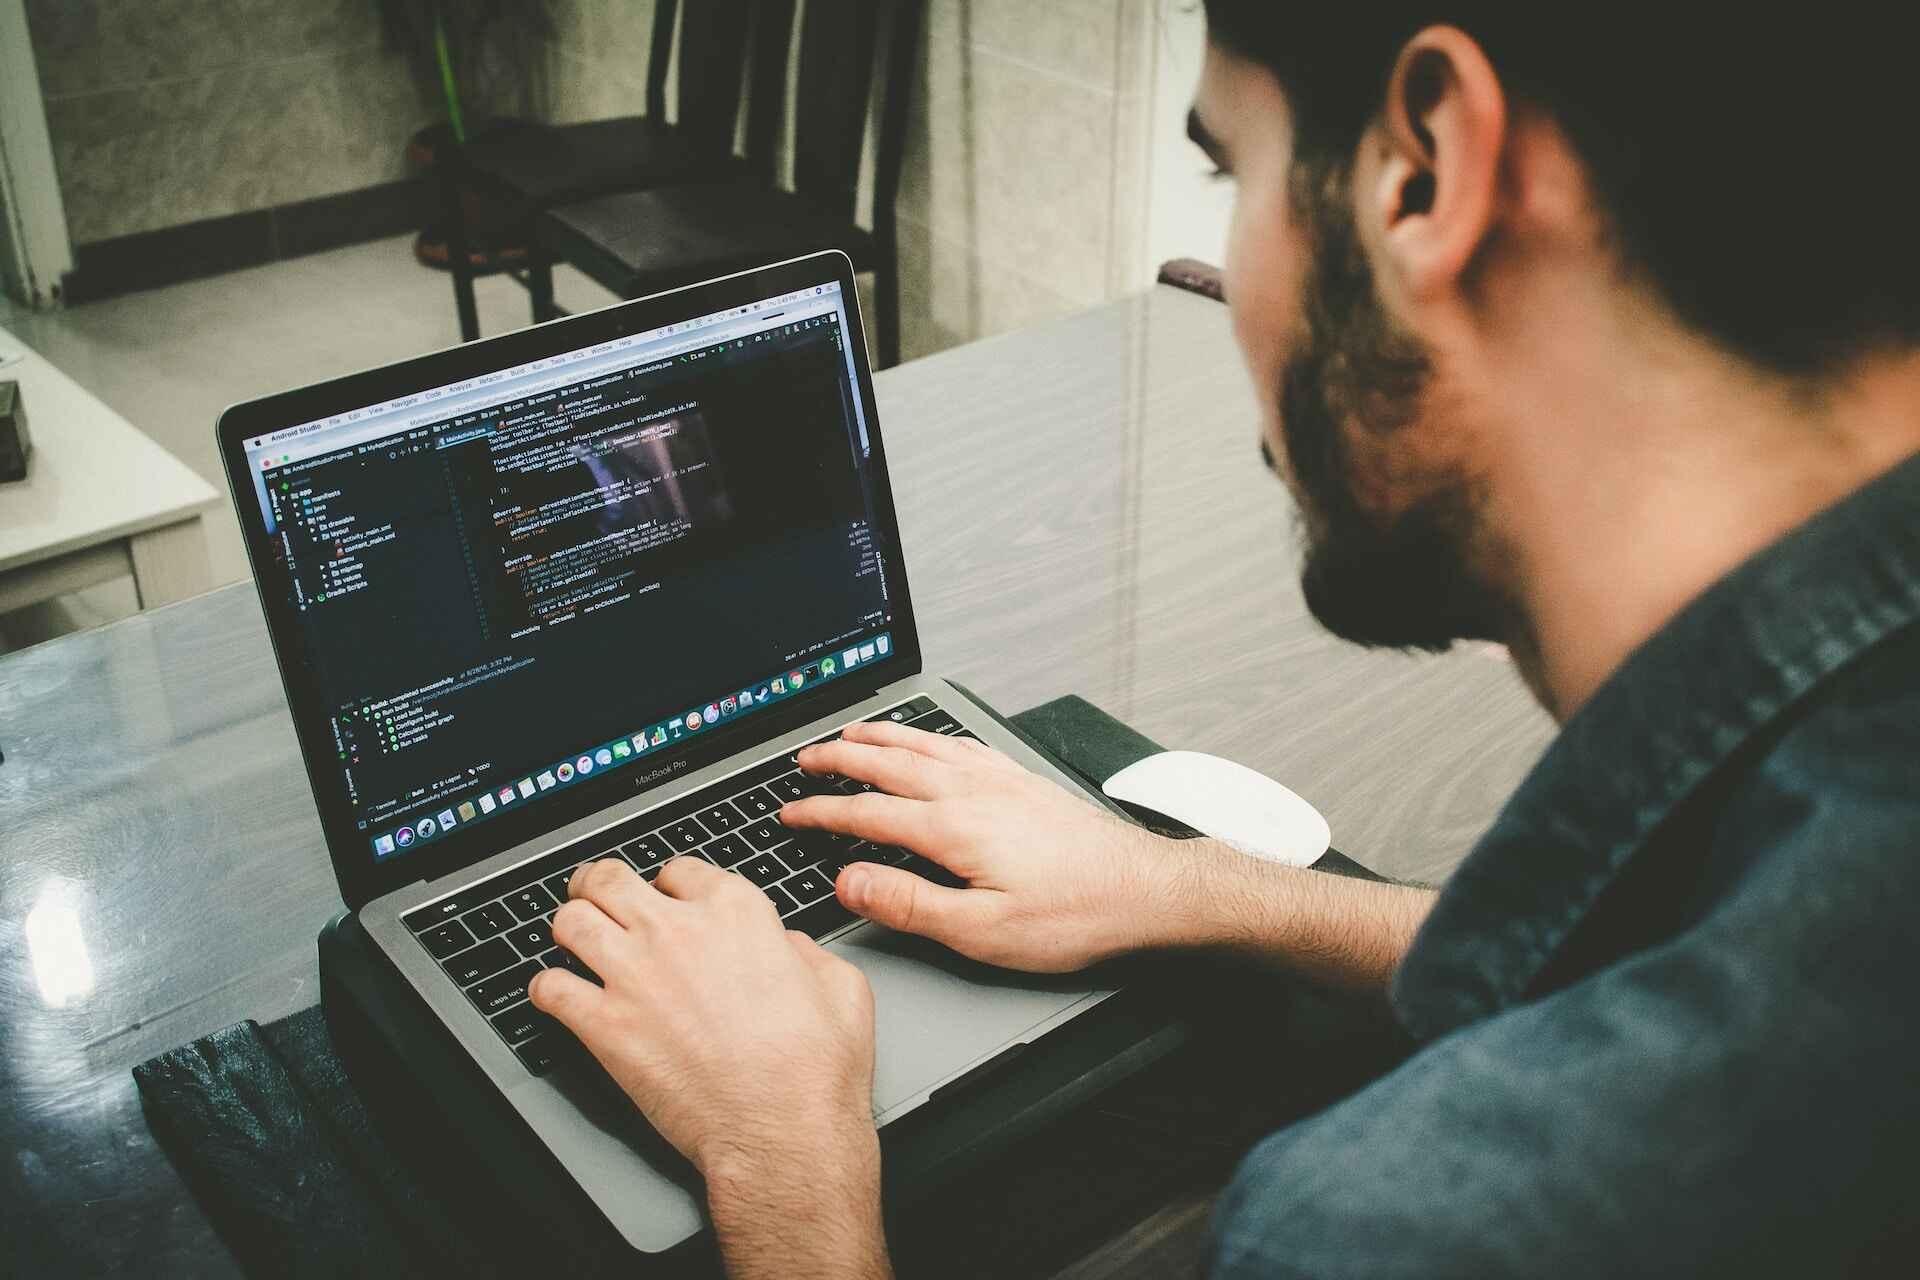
column 882, row 819
column 885, row 733
column 689, row 876
column 979, row 752
column 570, row 1000
column 951, row 748
column 614, row 887
column 907, row 902
column 591, row 935
column 898, row 771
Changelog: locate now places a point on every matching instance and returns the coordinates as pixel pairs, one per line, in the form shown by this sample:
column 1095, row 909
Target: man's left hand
column 747, row 1046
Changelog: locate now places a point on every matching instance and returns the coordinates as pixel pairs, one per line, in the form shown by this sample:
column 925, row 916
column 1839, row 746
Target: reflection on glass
column 56, row 946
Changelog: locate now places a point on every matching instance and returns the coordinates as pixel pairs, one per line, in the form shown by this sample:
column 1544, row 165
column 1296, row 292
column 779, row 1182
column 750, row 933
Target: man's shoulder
column 1833, row 795
column 1732, row 1095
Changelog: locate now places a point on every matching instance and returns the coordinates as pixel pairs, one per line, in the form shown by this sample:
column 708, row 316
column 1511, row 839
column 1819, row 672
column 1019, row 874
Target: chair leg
column 886, row 287
column 453, row 221
column 540, row 284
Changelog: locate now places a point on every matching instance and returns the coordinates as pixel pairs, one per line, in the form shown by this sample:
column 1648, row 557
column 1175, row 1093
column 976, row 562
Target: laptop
column 581, row 592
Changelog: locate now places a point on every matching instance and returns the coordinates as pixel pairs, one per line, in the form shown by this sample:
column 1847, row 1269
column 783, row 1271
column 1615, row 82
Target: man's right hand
column 1054, row 884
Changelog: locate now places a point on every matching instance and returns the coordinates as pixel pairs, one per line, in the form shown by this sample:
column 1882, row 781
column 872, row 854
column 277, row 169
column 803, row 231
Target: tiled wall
column 1022, row 195
column 596, row 63
column 170, row 111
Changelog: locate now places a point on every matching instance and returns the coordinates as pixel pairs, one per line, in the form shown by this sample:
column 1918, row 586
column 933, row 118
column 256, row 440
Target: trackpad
column 937, row 1014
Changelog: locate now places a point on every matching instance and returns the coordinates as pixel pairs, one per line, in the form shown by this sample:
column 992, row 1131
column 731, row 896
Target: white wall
column 1187, row 210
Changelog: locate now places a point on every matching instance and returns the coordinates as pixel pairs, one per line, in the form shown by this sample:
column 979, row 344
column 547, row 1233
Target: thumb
column 910, row 903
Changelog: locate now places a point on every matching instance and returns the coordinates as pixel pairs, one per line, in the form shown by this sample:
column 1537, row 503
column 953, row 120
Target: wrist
column 839, row 1153
column 1183, row 895
column 1163, row 894
column 1197, row 891
column 759, row 1197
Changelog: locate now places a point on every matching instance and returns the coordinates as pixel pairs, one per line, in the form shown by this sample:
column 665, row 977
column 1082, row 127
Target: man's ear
column 1434, row 196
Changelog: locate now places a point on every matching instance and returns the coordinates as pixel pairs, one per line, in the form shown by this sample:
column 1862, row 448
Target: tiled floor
column 169, row 360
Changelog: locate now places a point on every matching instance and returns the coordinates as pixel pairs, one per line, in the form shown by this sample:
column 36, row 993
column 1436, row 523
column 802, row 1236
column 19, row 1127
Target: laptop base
column 465, row 1132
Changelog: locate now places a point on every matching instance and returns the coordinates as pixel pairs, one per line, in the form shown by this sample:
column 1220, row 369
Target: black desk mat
column 300, row 1175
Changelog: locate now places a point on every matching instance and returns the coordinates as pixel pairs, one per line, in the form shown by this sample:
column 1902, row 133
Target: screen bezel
column 361, row 877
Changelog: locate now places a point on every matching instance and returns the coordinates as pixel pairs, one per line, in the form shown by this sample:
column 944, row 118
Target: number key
column 684, row 836
column 488, row 920
column 720, row 819
column 757, row 803
column 531, row 902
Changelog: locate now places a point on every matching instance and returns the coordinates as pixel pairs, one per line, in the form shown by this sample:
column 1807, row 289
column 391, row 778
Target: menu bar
column 489, row 382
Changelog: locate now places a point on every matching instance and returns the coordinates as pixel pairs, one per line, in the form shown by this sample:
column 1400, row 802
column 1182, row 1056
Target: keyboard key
column 808, row 887
column 648, row 851
column 820, row 919
column 929, row 870
column 789, row 787
column 832, row 867
column 782, row 900
column 766, row 834
column 557, row 885
column 757, row 803
column 727, row 850
column 684, row 836
column 488, row 920
column 423, row 918
column 964, row 733
column 935, row 722
column 521, row 1022
column 911, row 710
column 793, row 756
column 542, row 1053
column 531, row 902
column 443, row 940
column 561, row 958
column 530, row 939
column 502, row 990
column 764, row 869
column 482, row 961
column 721, row 819
column 821, row 844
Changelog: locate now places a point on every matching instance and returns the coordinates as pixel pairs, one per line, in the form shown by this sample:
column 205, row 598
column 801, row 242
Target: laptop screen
column 512, row 584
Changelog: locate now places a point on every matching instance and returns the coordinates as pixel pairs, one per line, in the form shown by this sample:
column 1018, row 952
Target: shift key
column 497, row 993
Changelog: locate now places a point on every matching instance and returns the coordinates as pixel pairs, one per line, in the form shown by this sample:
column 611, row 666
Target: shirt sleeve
column 1743, row 1098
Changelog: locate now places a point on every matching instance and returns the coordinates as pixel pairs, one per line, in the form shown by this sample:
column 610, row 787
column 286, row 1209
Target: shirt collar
column 1729, row 663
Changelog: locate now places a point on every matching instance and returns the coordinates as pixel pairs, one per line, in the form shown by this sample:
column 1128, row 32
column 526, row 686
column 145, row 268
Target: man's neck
column 1639, row 488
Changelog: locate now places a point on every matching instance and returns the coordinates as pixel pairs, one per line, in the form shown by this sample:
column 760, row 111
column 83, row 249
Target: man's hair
column 1755, row 164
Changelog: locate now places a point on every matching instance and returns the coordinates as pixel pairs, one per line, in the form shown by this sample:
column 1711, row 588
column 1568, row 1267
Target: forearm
column 1333, row 928
column 815, row 1216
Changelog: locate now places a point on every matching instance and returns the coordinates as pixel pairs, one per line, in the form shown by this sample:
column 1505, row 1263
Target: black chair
column 666, row 236
column 1194, row 276
column 531, row 167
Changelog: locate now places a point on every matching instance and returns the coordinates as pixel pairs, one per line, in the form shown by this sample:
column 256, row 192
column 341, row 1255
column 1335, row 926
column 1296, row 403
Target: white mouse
column 1227, row 801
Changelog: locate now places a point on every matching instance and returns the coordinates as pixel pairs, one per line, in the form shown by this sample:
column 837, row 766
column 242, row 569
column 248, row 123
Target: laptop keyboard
column 491, row 938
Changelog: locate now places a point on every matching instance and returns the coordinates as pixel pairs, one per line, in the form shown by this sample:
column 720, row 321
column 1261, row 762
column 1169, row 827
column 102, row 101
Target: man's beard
column 1405, row 581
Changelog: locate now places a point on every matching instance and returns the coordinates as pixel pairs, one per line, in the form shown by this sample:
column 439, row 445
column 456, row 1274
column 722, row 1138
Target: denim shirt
column 1668, row 1009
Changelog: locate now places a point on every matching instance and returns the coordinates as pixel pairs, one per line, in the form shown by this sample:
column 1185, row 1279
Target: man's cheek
column 1263, row 284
